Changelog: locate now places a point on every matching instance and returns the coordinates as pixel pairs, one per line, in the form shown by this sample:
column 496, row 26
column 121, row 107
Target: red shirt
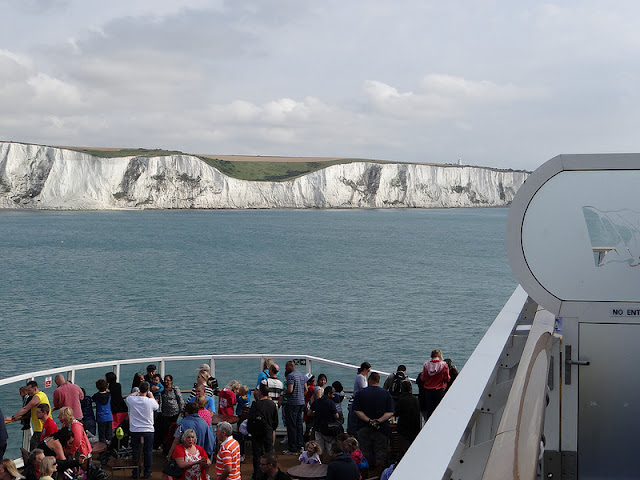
column 180, row 452
column 48, row 428
column 227, row 401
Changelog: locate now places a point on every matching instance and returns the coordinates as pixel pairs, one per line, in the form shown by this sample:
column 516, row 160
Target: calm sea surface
column 386, row 286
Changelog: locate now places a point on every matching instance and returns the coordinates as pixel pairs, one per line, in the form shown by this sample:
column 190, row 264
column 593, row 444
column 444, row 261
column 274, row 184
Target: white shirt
column 141, row 410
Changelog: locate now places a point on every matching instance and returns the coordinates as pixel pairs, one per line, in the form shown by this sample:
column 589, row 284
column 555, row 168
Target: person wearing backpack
column 325, row 415
column 393, row 383
column 261, row 423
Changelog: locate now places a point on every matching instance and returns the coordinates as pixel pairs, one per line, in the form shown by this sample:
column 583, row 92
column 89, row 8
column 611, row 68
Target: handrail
column 451, row 420
column 516, row 447
column 23, row 417
column 116, row 363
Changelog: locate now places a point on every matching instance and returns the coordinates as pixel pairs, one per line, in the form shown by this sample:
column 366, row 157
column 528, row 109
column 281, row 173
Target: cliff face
column 33, row 176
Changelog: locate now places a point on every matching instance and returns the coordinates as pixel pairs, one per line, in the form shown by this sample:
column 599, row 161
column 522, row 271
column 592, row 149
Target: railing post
column 116, row 370
column 212, row 365
column 309, row 369
column 71, row 376
column 26, row 438
column 162, row 368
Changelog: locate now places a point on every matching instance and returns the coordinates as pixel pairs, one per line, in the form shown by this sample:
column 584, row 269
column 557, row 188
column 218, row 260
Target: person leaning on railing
column 37, row 397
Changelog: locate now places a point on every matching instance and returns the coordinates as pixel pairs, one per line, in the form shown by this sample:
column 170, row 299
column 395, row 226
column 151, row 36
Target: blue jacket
column 204, row 434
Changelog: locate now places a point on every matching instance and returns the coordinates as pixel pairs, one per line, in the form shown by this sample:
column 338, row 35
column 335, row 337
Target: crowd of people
column 148, row 418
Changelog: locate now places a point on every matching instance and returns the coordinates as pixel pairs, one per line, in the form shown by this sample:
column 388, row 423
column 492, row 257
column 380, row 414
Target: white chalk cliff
column 34, row 176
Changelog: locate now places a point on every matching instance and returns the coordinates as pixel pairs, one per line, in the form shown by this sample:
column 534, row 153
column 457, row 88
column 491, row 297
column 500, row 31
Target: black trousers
column 432, row 399
column 260, row 446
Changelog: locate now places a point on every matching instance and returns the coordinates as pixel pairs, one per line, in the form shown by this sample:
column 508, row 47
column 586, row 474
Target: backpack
column 256, row 425
column 332, row 429
column 396, row 387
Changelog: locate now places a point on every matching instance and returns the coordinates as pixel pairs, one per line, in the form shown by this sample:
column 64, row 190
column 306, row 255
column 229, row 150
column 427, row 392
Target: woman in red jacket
column 435, row 376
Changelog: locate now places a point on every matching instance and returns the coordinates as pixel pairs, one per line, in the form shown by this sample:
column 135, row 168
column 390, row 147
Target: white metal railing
column 457, row 439
column 306, row 361
column 516, row 448
column 71, row 370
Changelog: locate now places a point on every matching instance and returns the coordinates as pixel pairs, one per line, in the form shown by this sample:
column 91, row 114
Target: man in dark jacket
column 342, row 466
column 269, row 469
column 393, row 383
column 408, row 414
column 263, row 414
column 324, row 411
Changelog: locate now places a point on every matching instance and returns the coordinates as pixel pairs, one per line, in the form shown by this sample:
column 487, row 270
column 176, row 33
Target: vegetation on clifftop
column 262, row 171
column 272, row 171
column 243, row 170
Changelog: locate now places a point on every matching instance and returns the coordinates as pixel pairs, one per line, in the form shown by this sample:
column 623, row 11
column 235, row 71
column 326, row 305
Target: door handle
column 577, row 362
column 568, row 363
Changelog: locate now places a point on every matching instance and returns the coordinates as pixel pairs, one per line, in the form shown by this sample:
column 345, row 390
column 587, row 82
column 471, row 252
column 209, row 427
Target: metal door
column 609, row 402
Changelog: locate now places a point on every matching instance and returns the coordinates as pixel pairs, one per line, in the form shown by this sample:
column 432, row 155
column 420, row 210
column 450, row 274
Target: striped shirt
column 275, row 388
column 298, row 381
column 229, row 454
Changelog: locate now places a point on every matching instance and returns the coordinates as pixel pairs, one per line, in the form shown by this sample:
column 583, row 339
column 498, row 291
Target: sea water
column 385, row 286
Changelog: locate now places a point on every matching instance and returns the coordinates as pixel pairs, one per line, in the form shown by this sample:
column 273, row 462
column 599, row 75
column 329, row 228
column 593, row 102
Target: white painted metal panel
column 609, row 402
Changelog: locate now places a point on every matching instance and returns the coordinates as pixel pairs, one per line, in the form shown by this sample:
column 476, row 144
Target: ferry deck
column 542, row 395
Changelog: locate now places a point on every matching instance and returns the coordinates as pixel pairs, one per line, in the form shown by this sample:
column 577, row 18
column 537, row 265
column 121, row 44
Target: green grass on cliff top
column 246, row 170
column 256, row 171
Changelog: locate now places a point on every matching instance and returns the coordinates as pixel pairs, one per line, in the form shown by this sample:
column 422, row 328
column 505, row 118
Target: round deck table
column 216, row 418
column 97, row 447
column 308, row 470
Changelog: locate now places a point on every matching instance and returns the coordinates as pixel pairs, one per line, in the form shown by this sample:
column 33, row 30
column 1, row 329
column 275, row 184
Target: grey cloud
column 415, row 81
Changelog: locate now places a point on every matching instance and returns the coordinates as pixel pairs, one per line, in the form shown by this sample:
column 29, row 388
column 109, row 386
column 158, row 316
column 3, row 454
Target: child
column 338, row 397
column 227, row 398
column 311, row 454
column 102, row 399
column 156, row 386
column 243, row 397
column 308, row 398
column 88, row 418
column 203, row 411
column 311, row 386
column 352, row 446
column 341, row 438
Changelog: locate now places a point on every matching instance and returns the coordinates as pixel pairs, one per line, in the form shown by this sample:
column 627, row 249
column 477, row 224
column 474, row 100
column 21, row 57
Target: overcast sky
column 498, row 83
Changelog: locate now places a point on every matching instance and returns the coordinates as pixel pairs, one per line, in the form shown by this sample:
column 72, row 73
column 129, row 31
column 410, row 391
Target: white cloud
column 54, row 92
column 14, row 66
column 506, row 85
column 441, row 96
